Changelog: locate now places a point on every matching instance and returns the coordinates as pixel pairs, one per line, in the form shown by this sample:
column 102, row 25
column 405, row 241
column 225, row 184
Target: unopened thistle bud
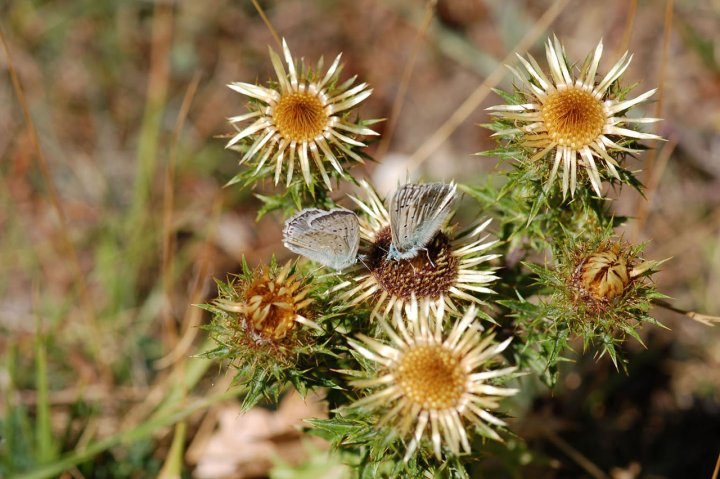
column 604, row 275
column 604, row 292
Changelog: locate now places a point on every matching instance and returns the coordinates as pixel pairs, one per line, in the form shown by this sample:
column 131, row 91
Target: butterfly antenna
column 427, row 253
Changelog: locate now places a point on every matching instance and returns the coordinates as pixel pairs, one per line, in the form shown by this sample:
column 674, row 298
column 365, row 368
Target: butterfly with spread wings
column 330, row 238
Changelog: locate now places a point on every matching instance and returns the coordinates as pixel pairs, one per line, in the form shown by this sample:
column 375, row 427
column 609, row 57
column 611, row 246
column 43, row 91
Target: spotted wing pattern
column 330, row 238
column 416, row 214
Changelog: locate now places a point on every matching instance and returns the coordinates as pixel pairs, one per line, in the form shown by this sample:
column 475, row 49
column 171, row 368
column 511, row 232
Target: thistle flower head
column 602, row 292
column 432, row 385
column 262, row 321
column 604, row 274
column 269, row 305
column 572, row 119
column 302, row 118
column 446, row 272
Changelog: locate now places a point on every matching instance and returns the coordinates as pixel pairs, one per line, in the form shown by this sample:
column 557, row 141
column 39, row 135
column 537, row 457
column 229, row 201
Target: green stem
column 43, row 430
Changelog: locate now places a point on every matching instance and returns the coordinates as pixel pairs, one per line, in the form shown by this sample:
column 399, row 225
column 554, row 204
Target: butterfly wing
column 416, row 213
column 330, row 238
column 344, row 226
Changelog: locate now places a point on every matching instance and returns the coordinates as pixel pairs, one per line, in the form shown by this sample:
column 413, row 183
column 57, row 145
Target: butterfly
column 330, row 238
column 416, row 214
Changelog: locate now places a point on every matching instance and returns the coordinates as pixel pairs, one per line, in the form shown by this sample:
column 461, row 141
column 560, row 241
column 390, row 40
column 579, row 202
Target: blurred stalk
column 43, row 427
column 269, row 25
column 157, row 90
column 170, row 391
column 473, row 101
column 624, row 44
column 16, row 431
column 455, row 46
column 141, row 238
column 174, row 461
column 189, row 374
column 642, row 204
column 169, row 327
column 405, row 80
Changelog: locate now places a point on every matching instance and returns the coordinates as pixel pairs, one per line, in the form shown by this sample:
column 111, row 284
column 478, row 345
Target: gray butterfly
column 330, row 238
column 416, row 214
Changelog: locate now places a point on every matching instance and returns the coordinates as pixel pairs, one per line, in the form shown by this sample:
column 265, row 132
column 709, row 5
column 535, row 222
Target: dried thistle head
column 268, row 306
column 428, row 275
column 264, row 324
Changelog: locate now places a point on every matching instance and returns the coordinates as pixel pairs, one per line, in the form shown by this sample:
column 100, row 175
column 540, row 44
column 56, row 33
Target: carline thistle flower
column 268, row 306
column 446, row 271
column 264, row 324
column 304, row 117
column 601, row 277
column 603, row 293
column 573, row 118
column 430, row 385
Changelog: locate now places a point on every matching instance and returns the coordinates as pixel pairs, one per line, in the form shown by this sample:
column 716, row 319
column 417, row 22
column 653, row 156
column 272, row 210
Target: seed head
column 430, row 274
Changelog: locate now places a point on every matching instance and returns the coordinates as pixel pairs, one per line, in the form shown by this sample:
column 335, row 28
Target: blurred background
column 116, row 221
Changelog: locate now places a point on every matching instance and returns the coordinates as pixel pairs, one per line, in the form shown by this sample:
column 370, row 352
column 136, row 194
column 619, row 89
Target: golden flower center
column 605, row 275
column 573, row 117
column 428, row 275
column 299, row 116
column 431, row 376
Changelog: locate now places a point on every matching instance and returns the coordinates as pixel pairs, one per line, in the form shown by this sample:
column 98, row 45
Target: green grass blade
column 173, row 464
column 46, row 450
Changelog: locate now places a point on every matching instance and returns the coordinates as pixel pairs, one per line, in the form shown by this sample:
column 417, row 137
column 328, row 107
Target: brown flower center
column 431, row 376
column 299, row 116
column 573, row 117
column 605, row 275
column 428, row 275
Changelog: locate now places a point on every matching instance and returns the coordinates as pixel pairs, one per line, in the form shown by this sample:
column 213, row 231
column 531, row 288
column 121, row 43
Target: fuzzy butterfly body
column 330, row 238
column 417, row 212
